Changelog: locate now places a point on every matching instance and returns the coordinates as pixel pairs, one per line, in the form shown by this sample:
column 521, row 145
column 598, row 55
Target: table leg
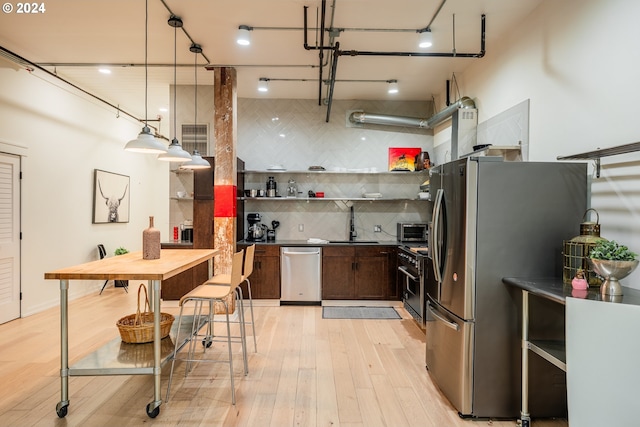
column 62, row 406
column 524, row 413
column 153, row 408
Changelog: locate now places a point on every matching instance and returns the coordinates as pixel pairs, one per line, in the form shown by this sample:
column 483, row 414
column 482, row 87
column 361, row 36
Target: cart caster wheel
column 61, row 409
column 207, row 342
column 151, row 411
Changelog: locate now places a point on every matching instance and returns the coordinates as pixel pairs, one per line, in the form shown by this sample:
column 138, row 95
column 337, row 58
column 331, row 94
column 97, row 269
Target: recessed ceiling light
column 163, row 109
column 282, row 135
column 104, row 70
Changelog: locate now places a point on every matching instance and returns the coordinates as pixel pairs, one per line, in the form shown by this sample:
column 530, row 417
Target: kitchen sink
column 354, row 242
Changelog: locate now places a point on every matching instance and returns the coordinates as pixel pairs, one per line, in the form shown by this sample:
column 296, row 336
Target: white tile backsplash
column 294, row 134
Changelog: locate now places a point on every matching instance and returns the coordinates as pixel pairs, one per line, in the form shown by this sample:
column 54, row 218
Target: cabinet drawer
column 267, row 250
column 374, row 250
column 338, row 251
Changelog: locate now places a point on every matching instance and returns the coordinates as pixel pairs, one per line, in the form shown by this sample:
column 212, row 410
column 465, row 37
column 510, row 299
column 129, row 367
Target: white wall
column 577, row 62
column 66, row 135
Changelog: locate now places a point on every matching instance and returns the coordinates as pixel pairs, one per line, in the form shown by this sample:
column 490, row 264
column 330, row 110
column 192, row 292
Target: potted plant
column 612, row 261
column 121, row 283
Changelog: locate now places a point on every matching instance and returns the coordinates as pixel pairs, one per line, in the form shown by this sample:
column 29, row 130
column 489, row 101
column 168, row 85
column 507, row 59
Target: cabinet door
column 338, row 270
column 375, row 273
column 371, row 279
column 265, row 279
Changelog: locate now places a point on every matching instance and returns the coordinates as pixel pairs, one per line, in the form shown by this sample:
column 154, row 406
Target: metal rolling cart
column 112, row 359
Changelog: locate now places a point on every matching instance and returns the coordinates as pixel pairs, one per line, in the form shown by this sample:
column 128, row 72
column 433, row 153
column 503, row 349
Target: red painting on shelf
column 403, row 159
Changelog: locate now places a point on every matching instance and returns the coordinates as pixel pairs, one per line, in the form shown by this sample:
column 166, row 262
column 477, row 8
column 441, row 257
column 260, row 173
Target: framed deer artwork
column 110, row 197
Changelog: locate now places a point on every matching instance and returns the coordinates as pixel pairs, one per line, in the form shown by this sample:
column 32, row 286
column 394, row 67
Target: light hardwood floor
column 308, row 371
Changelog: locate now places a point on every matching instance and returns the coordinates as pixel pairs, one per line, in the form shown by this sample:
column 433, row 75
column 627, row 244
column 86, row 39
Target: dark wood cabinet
column 175, row 287
column 265, row 279
column 359, row 272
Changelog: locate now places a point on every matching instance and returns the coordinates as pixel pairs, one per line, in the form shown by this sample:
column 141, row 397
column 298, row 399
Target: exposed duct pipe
column 430, row 123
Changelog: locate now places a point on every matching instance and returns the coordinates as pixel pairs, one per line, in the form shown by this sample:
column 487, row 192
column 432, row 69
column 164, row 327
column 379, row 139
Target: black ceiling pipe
column 321, row 48
column 321, row 54
column 332, row 82
column 448, row 95
column 427, row 54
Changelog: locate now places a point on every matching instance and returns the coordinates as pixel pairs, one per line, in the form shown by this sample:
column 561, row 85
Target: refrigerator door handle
column 446, row 322
column 434, row 237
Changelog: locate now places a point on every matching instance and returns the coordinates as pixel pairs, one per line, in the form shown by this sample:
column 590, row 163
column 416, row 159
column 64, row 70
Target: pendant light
column 196, row 162
column 175, row 153
column 145, row 142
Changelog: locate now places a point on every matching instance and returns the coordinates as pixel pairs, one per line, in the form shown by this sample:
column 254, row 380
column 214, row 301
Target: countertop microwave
column 412, row 231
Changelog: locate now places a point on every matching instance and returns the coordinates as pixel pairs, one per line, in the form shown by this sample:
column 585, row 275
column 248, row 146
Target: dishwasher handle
column 300, row 253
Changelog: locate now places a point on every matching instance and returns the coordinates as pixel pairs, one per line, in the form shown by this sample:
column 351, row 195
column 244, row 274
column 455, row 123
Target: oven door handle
column 404, row 271
column 446, row 322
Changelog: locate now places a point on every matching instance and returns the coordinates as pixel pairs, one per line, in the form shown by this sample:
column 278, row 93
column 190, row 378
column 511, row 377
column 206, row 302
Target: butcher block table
column 109, row 359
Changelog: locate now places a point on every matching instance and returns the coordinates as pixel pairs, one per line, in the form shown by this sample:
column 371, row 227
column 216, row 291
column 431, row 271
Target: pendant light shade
column 175, row 153
column 197, row 162
column 145, row 142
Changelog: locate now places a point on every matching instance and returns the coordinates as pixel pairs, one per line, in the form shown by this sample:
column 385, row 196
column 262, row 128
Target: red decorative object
column 403, row 159
column 224, row 202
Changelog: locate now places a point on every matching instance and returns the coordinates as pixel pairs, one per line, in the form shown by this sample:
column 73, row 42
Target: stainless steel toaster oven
column 412, row 231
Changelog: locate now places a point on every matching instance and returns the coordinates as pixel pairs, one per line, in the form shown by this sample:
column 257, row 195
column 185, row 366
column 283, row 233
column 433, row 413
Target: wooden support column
column 225, row 173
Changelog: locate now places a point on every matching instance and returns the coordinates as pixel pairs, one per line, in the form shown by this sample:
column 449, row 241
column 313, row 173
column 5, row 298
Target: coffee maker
column 257, row 230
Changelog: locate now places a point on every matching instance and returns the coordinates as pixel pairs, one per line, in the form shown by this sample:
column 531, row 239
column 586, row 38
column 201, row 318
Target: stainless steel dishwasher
column 301, row 275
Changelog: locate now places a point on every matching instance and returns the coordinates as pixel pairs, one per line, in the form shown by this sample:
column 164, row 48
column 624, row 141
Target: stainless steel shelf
column 119, row 358
column 605, row 152
column 552, row 351
column 267, row 172
column 328, row 199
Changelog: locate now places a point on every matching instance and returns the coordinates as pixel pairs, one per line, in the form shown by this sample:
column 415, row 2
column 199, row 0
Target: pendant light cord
column 175, row 81
column 195, row 67
column 146, row 42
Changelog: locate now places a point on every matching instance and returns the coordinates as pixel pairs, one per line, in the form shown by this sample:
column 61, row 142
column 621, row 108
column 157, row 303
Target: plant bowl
column 612, row 272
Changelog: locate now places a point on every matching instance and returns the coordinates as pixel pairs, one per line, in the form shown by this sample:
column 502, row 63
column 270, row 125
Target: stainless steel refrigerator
column 493, row 219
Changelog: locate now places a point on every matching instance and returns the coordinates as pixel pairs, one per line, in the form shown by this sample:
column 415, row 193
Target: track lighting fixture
column 393, row 86
column 425, row 39
column 263, row 85
column 244, row 35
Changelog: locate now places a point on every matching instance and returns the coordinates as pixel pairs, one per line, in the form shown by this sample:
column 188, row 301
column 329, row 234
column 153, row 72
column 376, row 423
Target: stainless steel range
column 412, row 265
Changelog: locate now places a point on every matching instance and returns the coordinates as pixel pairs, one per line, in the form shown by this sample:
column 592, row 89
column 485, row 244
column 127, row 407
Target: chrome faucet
column 352, row 227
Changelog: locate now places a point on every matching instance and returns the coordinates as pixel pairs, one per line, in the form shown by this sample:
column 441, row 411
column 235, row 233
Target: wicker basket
column 138, row 328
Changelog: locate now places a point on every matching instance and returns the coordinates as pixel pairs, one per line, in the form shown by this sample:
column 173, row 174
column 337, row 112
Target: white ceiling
column 74, row 37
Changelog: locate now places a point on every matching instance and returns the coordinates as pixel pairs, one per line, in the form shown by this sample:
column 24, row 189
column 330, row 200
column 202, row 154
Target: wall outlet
column 301, row 227
column 377, row 228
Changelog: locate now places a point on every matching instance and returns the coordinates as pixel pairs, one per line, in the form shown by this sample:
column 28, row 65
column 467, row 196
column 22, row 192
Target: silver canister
column 272, row 187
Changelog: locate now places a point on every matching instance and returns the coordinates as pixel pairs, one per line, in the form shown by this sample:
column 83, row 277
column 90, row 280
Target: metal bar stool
column 247, row 269
column 211, row 295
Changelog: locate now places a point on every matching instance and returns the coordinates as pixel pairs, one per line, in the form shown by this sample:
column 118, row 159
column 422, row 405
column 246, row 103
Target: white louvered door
column 9, row 237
